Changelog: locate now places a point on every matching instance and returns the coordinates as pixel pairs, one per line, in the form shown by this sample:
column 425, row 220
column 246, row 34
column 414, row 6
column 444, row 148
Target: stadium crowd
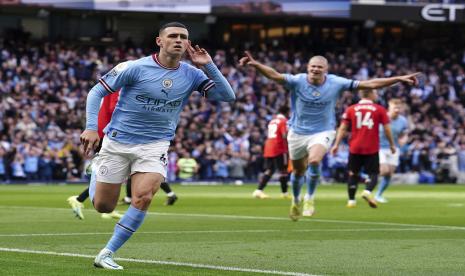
column 43, row 89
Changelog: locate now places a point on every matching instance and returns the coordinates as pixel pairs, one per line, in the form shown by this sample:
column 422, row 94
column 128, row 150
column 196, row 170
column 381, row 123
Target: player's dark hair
column 284, row 109
column 171, row 24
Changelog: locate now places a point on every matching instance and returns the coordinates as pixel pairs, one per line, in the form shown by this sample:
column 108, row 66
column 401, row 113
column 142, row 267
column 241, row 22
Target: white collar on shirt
column 365, row 102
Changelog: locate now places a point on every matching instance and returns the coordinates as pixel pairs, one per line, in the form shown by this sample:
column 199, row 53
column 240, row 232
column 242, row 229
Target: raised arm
column 267, row 71
column 221, row 90
column 383, row 82
column 341, row 132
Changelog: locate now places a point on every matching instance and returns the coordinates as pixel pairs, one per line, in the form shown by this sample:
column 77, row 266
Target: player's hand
column 393, row 149
column 247, row 60
column 410, row 79
column 89, row 140
column 198, row 56
column 334, row 149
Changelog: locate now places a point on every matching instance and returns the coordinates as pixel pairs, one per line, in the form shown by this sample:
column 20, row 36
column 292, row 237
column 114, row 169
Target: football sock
column 263, row 182
column 83, row 196
column 308, row 197
column 352, row 186
column 126, row 226
column 364, row 177
column 128, row 187
column 165, row 187
column 283, row 181
column 92, row 184
column 297, row 182
column 373, row 181
column 312, row 175
column 385, row 181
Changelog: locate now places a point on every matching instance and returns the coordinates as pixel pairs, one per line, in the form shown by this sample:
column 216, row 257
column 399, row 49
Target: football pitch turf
column 222, row 230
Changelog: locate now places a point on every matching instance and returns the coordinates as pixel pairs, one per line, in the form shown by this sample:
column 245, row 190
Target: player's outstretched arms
column 222, row 90
column 263, row 69
column 410, row 79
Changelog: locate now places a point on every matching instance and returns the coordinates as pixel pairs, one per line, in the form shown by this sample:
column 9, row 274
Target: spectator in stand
column 46, row 167
column 236, row 167
column 221, row 167
column 461, row 156
column 206, row 164
column 31, row 162
column 2, row 164
column 188, row 167
column 17, row 167
column 172, row 168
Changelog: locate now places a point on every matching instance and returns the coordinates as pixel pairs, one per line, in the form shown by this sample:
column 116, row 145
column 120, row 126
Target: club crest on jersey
column 167, row 83
column 316, row 93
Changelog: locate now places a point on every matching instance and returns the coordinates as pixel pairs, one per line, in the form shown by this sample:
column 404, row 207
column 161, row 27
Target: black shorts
column 369, row 163
column 277, row 163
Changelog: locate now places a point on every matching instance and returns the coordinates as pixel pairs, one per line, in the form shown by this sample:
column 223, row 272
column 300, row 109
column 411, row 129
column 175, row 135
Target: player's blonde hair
column 395, row 101
column 322, row 58
column 366, row 93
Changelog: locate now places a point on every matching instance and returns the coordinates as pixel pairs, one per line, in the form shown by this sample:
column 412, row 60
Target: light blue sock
column 364, row 176
column 296, row 182
column 385, row 180
column 92, row 184
column 126, row 226
column 312, row 176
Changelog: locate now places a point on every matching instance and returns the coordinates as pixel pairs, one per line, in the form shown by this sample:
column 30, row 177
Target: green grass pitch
column 222, row 230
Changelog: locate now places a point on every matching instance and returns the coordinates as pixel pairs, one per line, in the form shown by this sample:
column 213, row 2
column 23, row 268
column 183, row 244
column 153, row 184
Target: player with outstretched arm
column 312, row 124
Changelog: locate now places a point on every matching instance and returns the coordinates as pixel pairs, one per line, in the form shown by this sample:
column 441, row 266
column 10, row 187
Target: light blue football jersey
column 398, row 126
column 151, row 99
column 313, row 107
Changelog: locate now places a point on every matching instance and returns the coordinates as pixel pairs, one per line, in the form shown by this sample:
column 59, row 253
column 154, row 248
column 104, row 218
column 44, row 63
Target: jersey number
column 272, row 129
column 364, row 120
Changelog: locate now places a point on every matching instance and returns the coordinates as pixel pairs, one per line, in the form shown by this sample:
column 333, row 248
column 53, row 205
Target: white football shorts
column 117, row 161
column 300, row 144
column 388, row 158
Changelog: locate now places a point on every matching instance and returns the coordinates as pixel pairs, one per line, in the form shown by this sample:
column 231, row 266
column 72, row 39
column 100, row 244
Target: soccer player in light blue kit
column 312, row 124
column 154, row 90
column 389, row 161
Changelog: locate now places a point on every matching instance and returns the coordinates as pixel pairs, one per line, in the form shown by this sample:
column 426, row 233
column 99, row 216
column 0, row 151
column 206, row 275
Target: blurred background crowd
column 43, row 89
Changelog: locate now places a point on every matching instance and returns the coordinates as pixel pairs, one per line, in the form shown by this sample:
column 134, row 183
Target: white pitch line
column 213, row 267
column 263, row 218
column 455, row 205
column 309, row 220
column 232, row 231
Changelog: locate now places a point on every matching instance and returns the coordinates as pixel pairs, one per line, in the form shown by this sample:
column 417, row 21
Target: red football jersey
column 105, row 112
column 275, row 143
column 364, row 119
